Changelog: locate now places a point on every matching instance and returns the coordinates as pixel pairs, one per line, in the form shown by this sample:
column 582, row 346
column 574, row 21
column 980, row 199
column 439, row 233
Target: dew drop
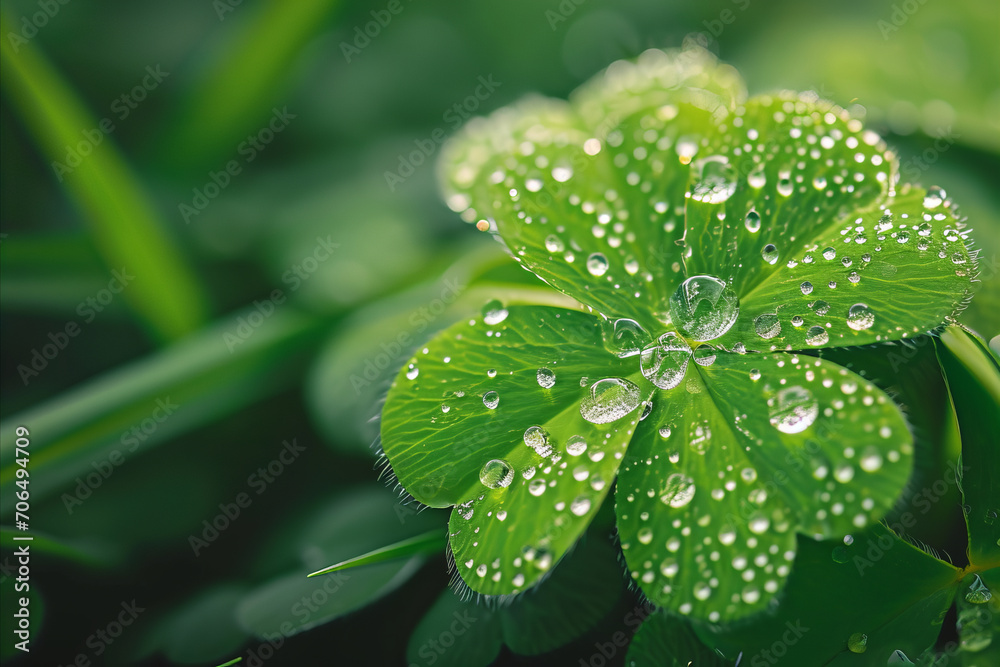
column 491, row 400
column 858, row 642
column 830, row 253
column 754, row 374
column 704, row 307
column 554, row 244
column 806, row 287
column 767, row 325
column 576, row 445
column 610, row 399
column 793, row 409
column 546, row 378
column 817, row 336
column 496, row 474
column 597, row 264
column 769, row 253
column 628, row 338
column 678, row 490
column 580, row 506
column 664, row 362
column 978, row 593
column 757, row 178
column 537, row 439
column 412, row 372
column 494, row 313
column 716, row 180
column 752, row 221
column 860, row 317
column 704, row 355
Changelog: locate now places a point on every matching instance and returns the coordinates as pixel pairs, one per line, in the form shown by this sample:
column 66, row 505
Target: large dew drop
column 546, row 378
column 860, row 317
column 664, row 362
column 716, row 180
column 597, row 264
column 767, row 325
column 536, row 438
column 494, row 313
column 704, row 307
column 678, row 490
column 793, row 410
column 610, row 399
column 496, row 474
column 628, row 338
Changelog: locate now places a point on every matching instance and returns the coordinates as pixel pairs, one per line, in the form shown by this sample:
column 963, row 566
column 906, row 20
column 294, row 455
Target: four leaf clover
column 712, row 242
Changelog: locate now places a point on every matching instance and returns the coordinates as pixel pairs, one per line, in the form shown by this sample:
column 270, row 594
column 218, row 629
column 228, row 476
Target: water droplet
column 820, row 307
column 806, row 287
column 767, row 325
column 704, row 307
column 491, row 399
column 846, row 261
column 903, row 237
column 769, row 253
column 716, row 180
column 752, row 221
column 830, row 253
column 562, row 174
column 610, row 399
column 678, row 490
column 576, row 445
column 860, row 317
column 536, row 438
column 536, row 487
column 412, row 372
column 580, row 506
column 797, row 320
column 645, row 535
column 754, row 374
column 546, row 378
column 491, row 373
column 854, row 277
column 757, row 178
column 496, row 474
column 494, row 313
column 597, row 264
column 664, row 362
column 817, row 336
column 978, row 593
column 858, row 642
column 793, row 409
column 871, row 459
column 628, row 338
column 664, row 431
column 554, row 244
column 704, row 355
column 935, row 197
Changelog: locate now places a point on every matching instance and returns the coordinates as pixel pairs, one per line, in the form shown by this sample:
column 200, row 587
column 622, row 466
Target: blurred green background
column 221, row 237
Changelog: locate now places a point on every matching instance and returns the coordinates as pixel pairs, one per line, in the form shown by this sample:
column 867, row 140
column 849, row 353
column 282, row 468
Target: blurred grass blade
column 430, row 542
column 127, row 229
column 196, row 381
column 236, row 90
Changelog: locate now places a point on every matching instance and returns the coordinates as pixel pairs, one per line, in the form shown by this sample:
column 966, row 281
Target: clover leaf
column 712, row 241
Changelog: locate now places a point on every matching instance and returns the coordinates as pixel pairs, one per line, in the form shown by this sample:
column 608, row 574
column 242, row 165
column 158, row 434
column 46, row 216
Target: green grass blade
column 127, row 229
column 201, row 377
column 235, row 90
column 427, row 543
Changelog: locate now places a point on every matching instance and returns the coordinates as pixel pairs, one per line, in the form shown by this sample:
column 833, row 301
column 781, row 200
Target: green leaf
column 979, row 620
column 456, row 633
column 427, row 543
column 359, row 521
column 579, row 593
column 667, row 641
column 973, row 376
column 488, row 417
column 728, row 467
column 878, row 586
column 202, row 629
column 86, row 424
column 127, row 229
column 573, row 199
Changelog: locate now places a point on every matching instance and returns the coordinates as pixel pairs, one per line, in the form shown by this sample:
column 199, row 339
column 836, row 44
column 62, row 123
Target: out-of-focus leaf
column 360, row 521
column 202, row 629
column 239, row 82
column 126, row 227
column 195, row 381
column 456, row 633
column 973, row 376
column 84, row 552
column 668, row 641
column 878, row 594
